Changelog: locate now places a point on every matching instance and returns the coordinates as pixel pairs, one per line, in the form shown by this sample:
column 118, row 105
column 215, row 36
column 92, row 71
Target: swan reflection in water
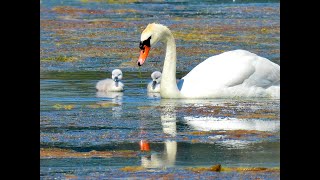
column 200, row 123
column 116, row 100
column 168, row 157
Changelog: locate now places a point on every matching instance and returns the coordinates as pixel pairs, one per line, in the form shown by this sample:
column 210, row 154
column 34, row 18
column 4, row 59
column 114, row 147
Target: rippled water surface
column 85, row 134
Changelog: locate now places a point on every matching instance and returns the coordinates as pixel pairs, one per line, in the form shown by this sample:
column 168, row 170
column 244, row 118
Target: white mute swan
column 113, row 84
column 237, row 73
column 154, row 85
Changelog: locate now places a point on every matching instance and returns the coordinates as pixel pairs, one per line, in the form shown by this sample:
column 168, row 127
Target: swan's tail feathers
column 274, row 91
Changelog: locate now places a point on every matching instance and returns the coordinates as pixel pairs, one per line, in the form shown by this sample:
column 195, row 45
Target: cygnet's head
column 156, row 76
column 117, row 75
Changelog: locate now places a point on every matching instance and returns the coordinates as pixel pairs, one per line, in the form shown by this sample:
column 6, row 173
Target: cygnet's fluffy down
column 113, row 84
column 154, row 85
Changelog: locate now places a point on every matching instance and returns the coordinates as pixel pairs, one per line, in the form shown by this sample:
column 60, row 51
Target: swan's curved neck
column 169, row 87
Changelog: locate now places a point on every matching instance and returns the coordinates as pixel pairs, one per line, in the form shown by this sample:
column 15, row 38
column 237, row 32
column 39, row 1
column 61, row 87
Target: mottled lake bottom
column 85, row 134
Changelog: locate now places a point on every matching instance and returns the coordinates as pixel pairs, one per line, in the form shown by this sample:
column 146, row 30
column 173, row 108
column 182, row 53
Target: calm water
column 81, row 41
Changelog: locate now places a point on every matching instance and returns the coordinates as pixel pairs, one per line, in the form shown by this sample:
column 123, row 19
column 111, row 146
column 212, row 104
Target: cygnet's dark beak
column 154, row 83
column 116, row 79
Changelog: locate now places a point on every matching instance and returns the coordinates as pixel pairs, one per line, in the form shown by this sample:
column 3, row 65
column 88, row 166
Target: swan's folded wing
column 216, row 73
column 231, row 69
column 266, row 74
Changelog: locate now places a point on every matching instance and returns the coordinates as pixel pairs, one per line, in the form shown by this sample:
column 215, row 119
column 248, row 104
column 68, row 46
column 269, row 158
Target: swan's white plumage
column 237, row 73
column 233, row 73
column 110, row 84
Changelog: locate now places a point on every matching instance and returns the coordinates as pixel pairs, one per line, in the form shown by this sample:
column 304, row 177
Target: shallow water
column 181, row 133
column 81, row 41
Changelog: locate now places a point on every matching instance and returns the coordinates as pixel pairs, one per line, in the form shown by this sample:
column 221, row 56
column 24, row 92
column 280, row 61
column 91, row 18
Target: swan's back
column 233, row 73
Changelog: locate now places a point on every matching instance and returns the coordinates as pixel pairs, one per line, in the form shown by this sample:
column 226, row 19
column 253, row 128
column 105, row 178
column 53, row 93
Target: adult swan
column 237, row 73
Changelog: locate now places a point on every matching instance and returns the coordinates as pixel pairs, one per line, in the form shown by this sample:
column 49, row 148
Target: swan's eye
column 141, row 46
column 145, row 42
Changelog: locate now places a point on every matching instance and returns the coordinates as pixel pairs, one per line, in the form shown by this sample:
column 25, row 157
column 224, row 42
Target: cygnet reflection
column 115, row 98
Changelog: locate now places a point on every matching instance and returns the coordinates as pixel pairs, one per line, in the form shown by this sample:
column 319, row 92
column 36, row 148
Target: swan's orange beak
column 143, row 55
column 144, row 145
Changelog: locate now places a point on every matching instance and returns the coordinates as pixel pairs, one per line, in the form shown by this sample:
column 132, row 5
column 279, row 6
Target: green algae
column 60, row 59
